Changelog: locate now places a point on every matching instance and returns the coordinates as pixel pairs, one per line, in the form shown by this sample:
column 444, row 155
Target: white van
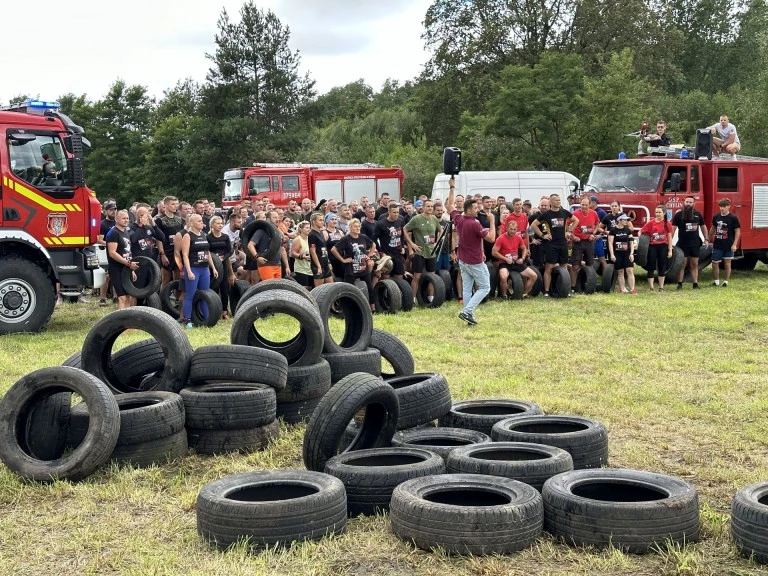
column 525, row 184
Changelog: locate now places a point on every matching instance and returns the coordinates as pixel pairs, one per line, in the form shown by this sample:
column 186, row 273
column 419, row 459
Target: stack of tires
column 308, row 375
column 231, row 405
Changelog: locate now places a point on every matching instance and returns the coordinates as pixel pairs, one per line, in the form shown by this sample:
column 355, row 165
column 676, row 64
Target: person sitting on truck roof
column 661, row 138
column 728, row 141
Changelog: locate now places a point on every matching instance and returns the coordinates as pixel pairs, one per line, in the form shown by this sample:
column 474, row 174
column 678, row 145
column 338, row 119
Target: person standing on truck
column 169, row 223
column 421, row 234
column 584, row 236
column 725, row 235
column 389, row 234
column 660, row 247
column 728, row 141
column 118, row 241
column 622, row 250
column 559, row 229
column 688, row 222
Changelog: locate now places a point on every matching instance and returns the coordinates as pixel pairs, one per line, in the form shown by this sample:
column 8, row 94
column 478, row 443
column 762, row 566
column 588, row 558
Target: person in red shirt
column 660, row 248
column 471, row 254
column 511, row 252
column 584, row 236
column 519, row 216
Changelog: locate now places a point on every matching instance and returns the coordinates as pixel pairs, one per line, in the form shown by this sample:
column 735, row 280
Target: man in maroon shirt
column 471, row 255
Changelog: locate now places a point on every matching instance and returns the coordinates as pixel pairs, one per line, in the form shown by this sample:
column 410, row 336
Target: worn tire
column 406, row 293
column 342, row 365
column 152, row 452
column 675, row 264
column 337, row 408
column 441, row 441
column 305, row 382
column 538, row 285
column 97, row 347
column 394, row 351
column 387, row 297
column 302, row 350
column 153, row 285
column 586, row 280
column 749, row 521
column 132, row 364
column 585, row 440
column 438, row 288
column 219, row 278
column 99, row 441
column 236, row 292
column 532, row 464
column 35, row 295
column 608, row 279
column 277, row 284
column 275, row 238
column 515, row 286
column 627, row 509
column 370, row 476
column 229, row 406
column 445, row 275
column 467, row 514
column 641, row 254
column 144, row 417
column 168, row 306
column 212, row 442
column 215, row 309
column 153, row 301
column 276, row 508
column 46, row 426
column 233, row 363
column 481, row 415
column 560, row 283
column 422, row 398
column 299, row 411
column 358, row 320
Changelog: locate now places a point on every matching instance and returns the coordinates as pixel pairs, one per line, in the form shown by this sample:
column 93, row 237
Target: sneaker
column 725, row 284
column 679, row 285
column 83, row 300
column 716, row 283
column 102, row 302
column 546, row 294
column 468, row 318
column 59, row 302
column 695, row 285
column 625, row 291
column 661, row 289
column 633, row 292
column 190, row 325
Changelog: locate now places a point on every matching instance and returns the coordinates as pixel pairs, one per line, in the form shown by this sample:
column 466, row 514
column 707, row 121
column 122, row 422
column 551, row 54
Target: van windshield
column 625, row 177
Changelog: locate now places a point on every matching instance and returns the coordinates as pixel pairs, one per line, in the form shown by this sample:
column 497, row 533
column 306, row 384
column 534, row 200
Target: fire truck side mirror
column 74, row 145
column 451, row 161
column 674, row 182
column 75, row 173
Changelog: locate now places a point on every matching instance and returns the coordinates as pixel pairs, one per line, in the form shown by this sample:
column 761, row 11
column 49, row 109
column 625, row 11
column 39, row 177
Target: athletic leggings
column 350, row 279
column 202, row 281
column 224, row 292
column 657, row 259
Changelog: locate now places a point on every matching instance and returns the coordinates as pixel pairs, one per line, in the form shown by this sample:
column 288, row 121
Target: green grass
column 678, row 378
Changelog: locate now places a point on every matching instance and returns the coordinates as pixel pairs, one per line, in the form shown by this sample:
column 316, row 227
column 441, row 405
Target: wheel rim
column 17, row 300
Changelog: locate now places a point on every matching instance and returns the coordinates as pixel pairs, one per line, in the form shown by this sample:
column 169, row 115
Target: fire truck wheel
column 27, row 297
column 148, row 269
column 271, row 230
column 748, row 262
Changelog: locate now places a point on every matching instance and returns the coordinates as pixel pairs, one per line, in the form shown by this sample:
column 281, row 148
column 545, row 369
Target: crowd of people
column 366, row 241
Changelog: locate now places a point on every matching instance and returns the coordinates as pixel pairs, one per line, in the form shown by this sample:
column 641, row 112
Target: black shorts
column 556, row 253
column 116, row 279
column 321, row 273
column 622, row 261
column 398, row 265
column 583, row 250
column 171, row 263
column 513, row 267
column 419, row 263
column 690, row 251
column 250, row 264
column 304, row 279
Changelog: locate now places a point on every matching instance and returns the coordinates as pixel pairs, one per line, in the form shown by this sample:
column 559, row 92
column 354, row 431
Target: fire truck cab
column 49, row 219
column 642, row 184
column 281, row 183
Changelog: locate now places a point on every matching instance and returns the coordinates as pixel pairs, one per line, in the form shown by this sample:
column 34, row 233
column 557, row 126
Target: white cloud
column 156, row 43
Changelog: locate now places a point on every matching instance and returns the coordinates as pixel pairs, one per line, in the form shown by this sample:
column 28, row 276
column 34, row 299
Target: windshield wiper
column 628, row 189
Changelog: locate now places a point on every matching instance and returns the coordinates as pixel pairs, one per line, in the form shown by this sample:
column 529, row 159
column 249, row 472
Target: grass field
column 678, row 378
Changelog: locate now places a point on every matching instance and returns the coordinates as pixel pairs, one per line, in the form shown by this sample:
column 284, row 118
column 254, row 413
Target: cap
column 110, row 206
column 418, row 203
column 331, row 216
column 594, row 199
column 623, row 217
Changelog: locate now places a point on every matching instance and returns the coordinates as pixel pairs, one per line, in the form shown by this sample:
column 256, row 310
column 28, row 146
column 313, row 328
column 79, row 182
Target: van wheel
column 27, row 297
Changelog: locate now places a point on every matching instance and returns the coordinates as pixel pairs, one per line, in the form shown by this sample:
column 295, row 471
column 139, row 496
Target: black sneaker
column 679, row 285
column 695, row 285
column 102, row 302
column 468, row 318
column 725, row 284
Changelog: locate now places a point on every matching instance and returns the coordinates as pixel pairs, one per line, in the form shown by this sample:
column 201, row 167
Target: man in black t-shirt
column 560, row 224
column 485, row 222
column 368, row 223
column 537, row 244
column 389, row 234
column 146, row 240
column 659, row 139
column 724, row 235
column 689, row 222
column 169, row 223
column 119, row 253
column 383, row 210
column 110, row 209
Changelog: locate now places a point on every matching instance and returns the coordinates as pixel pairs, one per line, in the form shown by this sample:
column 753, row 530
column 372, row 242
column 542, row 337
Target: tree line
column 527, row 84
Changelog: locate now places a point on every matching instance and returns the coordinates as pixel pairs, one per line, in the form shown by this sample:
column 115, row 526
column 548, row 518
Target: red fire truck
column 49, row 218
column 282, row 183
column 641, row 184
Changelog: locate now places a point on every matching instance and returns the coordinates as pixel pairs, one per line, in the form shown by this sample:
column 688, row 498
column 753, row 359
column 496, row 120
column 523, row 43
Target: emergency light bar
column 33, row 106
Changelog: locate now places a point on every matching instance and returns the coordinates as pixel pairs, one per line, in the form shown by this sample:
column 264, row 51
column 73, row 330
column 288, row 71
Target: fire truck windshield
column 626, row 177
column 233, row 185
column 41, row 162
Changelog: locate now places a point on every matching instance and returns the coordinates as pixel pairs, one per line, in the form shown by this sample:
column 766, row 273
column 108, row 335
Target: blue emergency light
column 41, row 104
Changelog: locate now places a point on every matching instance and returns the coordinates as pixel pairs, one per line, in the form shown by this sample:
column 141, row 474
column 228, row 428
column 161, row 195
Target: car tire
column 422, row 398
column 387, row 297
column 305, row 382
column 236, row 292
column 394, row 351
column 586, row 280
column 438, row 288
column 153, row 285
column 439, row 440
column 299, row 411
column 481, row 415
column 234, row 363
column 342, row 365
column 560, row 284
column 749, row 521
column 445, row 275
column 277, row 284
column 170, row 306
column 515, row 286
column 213, row 442
column 358, row 320
column 406, row 293
column 215, row 309
column 229, row 406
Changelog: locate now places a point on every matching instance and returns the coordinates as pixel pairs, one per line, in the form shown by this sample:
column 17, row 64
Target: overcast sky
column 85, row 45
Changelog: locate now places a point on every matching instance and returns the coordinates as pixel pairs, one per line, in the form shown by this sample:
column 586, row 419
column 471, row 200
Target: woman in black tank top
column 198, row 264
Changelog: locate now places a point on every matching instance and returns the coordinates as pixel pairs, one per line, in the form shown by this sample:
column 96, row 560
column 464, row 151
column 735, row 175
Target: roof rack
column 314, row 166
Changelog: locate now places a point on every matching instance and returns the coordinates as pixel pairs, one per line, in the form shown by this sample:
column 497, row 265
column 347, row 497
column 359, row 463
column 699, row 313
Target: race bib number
column 658, row 236
column 691, row 227
column 558, row 222
column 429, row 239
column 585, row 229
column 622, row 246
